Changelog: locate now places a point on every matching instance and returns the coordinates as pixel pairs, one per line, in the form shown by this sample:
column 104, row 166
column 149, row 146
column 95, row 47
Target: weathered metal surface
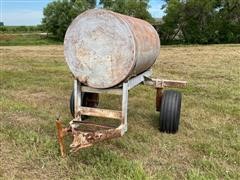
column 77, row 97
column 86, row 133
column 138, row 79
column 162, row 83
column 125, row 105
column 85, row 139
column 115, row 91
column 103, row 48
column 61, row 132
column 92, row 124
column 82, row 139
column 97, row 112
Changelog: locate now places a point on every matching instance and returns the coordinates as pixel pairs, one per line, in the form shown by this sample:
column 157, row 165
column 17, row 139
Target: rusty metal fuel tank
column 103, row 48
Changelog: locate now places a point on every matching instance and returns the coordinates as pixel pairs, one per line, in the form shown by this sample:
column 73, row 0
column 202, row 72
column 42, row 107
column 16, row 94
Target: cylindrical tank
column 103, row 48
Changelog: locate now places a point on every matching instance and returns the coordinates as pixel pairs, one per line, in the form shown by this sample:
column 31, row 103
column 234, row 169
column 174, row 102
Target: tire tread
column 170, row 111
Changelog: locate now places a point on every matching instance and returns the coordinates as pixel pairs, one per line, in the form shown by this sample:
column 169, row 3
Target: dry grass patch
column 36, row 86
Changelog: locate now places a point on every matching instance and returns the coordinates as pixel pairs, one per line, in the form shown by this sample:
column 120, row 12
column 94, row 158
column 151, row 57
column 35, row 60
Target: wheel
column 89, row 100
column 170, row 111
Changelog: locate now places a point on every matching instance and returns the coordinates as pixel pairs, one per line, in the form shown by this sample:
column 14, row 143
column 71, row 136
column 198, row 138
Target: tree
column 228, row 21
column 59, row 14
column 172, row 21
column 198, row 19
column 133, row 8
column 205, row 21
column 190, row 21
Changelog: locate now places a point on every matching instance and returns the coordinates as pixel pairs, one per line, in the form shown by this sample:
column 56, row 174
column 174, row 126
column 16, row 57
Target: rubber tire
column 170, row 111
column 71, row 104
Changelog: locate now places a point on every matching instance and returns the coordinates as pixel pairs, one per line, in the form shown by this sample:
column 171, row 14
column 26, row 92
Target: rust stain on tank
column 108, row 47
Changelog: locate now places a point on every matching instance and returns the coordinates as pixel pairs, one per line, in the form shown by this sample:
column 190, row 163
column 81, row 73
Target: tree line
column 21, row 29
column 185, row 21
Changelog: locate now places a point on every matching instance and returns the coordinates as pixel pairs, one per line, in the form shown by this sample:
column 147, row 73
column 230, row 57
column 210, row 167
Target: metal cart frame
column 83, row 139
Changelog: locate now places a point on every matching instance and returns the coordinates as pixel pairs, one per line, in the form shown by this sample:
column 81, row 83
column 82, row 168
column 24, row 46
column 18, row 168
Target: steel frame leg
column 124, row 105
column 77, row 98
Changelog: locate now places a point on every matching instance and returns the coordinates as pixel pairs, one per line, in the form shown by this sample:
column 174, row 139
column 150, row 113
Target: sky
column 30, row 12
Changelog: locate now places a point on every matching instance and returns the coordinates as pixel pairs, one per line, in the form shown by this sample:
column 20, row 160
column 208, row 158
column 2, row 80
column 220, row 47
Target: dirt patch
column 7, row 37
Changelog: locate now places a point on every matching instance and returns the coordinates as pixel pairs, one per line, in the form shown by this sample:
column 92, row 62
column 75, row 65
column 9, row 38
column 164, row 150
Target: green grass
column 32, row 38
column 36, row 85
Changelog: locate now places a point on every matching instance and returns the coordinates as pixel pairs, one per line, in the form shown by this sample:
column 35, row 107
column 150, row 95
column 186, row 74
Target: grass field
column 36, row 85
column 20, row 39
